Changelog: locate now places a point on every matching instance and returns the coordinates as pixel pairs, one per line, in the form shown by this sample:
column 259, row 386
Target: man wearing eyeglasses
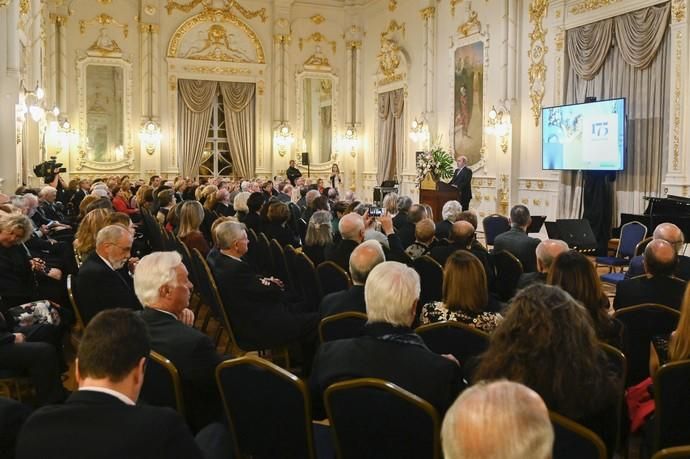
column 105, row 278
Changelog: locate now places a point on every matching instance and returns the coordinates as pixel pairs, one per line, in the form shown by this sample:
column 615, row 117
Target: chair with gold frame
column 162, row 385
column 332, row 278
column 73, row 301
column 375, row 418
column 575, row 441
column 341, row 326
column 268, row 409
column 672, row 405
column 677, row 452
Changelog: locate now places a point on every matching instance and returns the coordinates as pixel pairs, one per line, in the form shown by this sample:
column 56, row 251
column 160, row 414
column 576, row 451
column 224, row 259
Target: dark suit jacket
column 404, row 228
column 527, row 279
column 636, row 268
column 259, row 318
column 351, row 299
column 100, row 288
column 340, row 253
column 406, row 362
column 521, row 245
column 443, row 229
column 17, row 282
column 195, row 357
column 282, row 234
column 657, row 289
column 292, row 174
column 93, row 424
column 463, row 180
column 442, row 252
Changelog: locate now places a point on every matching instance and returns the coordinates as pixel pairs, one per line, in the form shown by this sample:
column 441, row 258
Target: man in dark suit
column 674, row 236
column 516, row 240
column 102, row 419
column 104, row 280
column 546, row 253
column 406, row 229
column 351, row 228
column 165, row 298
column 47, row 207
column 658, row 286
column 292, row 172
column 450, row 212
column 261, row 317
column 388, row 348
column 364, row 258
column 404, row 204
column 462, row 180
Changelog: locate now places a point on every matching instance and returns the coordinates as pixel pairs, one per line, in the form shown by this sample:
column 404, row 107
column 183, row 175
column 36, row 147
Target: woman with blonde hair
column 318, row 236
column 191, row 214
column 85, row 240
column 665, row 349
column 465, row 296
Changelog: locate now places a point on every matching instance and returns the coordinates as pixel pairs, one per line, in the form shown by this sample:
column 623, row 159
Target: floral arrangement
column 436, row 162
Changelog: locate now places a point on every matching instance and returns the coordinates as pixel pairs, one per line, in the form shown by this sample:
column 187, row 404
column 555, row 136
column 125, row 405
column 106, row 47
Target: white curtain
column 194, row 110
column 391, row 135
column 635, row 68
column 240, row 124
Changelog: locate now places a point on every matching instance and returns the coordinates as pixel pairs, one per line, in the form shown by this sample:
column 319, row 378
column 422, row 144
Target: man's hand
column 186, row 317
column 386, row 224
column 19, row 338
column 368, row 221
column 132, row 264
column 37, row 264
column 54, row 273
column 45, row 230
column 276, row 281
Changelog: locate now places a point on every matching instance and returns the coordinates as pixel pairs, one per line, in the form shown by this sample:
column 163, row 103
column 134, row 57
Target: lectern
column 436, row 194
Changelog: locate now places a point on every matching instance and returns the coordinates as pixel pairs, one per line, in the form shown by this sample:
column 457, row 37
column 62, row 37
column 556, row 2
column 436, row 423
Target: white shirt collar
column 164, row 312
column 104, row 390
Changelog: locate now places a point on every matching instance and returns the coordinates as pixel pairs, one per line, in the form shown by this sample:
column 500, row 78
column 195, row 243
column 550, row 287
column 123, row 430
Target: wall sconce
column 150, row 136
column 498, row 125
column 31, row 101
column 350, row 140
column 419, row 133
column 283, row 138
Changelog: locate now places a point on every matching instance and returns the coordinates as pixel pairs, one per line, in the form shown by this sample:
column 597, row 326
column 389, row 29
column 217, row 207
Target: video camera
column 49, row 169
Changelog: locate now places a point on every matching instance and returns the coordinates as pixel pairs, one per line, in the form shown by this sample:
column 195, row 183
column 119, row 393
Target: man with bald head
column 659, row 285
column 516, row 240
column 351, row 228
column 674, row 236
column 500, row 419
column 364, row 258
column 546, row 252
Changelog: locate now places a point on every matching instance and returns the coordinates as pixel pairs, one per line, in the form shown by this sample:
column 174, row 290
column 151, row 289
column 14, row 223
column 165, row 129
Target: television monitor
column 589, row 136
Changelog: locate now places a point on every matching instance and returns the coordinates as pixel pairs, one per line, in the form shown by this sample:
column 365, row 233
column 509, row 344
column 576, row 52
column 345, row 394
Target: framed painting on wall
column 468, row 101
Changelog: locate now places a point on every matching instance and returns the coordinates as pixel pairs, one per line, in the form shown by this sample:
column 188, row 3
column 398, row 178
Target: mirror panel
column 104, row 113
column 317, row 100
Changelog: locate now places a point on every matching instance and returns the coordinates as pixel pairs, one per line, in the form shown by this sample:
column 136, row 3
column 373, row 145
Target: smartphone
column 375, row 211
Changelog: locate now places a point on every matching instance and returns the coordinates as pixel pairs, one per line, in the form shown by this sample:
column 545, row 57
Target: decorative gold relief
column 524, row 201
column 221, row 18
column 317, row 19
column 105, row 2
column 172, row 83
column 591, row 5
column 390, row 53
column 317, row 60
column 393, row 26
column 216, row 70
column 428, row 12
column 104, row 46
column 103, row 19
column 471, row 25
column 208, row 5
column 217, row 47
column 536, row 202
column 677, row 98
column 540, row 184
column 150, row 10
column 391, row 79
column 355, row 44
column 58, row 19
column 503, row 194
column 392, row 5
column 24, row 6
column 560, row 39
column 528, row 184
column 538, row 49
column 260, row 86
column 317, row 37
column 452, row 6
column 678, row 10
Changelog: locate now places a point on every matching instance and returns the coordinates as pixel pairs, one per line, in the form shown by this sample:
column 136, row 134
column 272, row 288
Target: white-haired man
column 47, row 207
column 104, row 280
column 546, row 253
column 364, row 258
column 674, row 236
column 162, row 285
column 501, row 419
column 388, row 347
column 261, row 317
column 450, row 212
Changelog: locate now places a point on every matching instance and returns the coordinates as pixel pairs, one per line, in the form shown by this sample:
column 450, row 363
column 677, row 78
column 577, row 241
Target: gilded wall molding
column 537, row 52
column 103, row 19
column 208, row 5
column 471, row 24
column 591, row 5
column 24, row 6
column 428, row 12
column 215, row 17
column 216, row 70
column 317, row 37
column 677, row 98
column 678, row 11
column 393, row 26
column 317, row 19
column 392, row 5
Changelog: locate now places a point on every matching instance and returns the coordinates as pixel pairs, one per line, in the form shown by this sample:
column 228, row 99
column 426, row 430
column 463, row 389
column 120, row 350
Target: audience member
column 461, row 237
column 102, row 419
column 406, row 229
column 104, row 280
column 240, row 204
column 351, row 228
column 401, row 218
column 466, row 297
column 318, row 236
column 659, row 286
column 575, row 274
column 277, row 227
column 253, row 220
column 674, row 236
column 166, row 201
column 516, row 240
column 191, row 215
column 388, row 348
column 673, row 347
column 85, row 239
column 121, row 202
column 424, row 239
column 365, row 257
column 500, row 419
column 546, row 342
column 449, row 212
column 163, row 287
column 545, row 252
column 310, row 204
